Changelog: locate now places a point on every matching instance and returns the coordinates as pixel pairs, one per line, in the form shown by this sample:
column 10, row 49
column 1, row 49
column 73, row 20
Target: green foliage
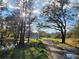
column 24, row 53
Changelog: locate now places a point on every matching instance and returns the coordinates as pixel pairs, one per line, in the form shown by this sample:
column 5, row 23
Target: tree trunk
column 29, row 31
column 22, row 34
column 63, row 33
column 1, row 34
column 63, row 39
column 29, row 34
column 1, row 39
column 21, row 42
column 28, row 39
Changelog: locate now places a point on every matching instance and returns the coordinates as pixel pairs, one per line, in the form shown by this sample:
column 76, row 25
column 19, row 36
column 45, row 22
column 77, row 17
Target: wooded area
column 38, row 27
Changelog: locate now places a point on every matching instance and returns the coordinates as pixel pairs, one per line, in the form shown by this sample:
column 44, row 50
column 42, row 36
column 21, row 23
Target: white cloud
column 36, row 11
column 13, row 7
column 5, row 1
column 78, row 15
column 73, row 3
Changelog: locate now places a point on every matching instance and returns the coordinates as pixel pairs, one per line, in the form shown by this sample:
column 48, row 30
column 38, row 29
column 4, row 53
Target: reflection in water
column 70, row 56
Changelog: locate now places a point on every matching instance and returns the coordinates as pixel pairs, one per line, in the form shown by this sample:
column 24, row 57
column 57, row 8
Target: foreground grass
column 24, row 53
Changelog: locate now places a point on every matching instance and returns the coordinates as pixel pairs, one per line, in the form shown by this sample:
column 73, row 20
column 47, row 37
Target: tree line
column 54, row 15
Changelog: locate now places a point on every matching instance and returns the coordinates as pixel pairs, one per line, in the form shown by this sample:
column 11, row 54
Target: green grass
column 22, row 53
column 37, row 40
column 57, row 40
column 34, row 41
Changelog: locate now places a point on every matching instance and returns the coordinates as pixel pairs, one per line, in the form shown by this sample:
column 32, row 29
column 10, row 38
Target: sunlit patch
column 27, row 0
column 78, row 15
column 23, row 14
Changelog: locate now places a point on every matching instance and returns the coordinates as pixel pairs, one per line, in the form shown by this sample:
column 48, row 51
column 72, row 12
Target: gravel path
column 54, row 53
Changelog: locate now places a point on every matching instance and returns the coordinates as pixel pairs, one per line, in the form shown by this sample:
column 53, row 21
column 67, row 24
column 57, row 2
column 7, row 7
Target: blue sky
column 37, row 5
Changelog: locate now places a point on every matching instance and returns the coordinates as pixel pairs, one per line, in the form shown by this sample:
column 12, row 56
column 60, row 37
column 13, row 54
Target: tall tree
column 57, row 15
column 1, row 30
column 26, row 20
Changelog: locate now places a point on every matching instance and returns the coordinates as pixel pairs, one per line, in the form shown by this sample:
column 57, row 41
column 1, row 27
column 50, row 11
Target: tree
column 1, row 31
column 57, row 16
column 12, row 27
column 22, row 33
column 39, row 29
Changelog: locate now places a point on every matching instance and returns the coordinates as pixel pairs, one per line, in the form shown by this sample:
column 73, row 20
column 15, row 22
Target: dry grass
column 68, row 42
column 72, row 42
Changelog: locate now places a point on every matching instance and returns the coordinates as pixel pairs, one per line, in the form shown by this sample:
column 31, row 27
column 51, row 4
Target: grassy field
column 70, row 42
column 24, row 53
